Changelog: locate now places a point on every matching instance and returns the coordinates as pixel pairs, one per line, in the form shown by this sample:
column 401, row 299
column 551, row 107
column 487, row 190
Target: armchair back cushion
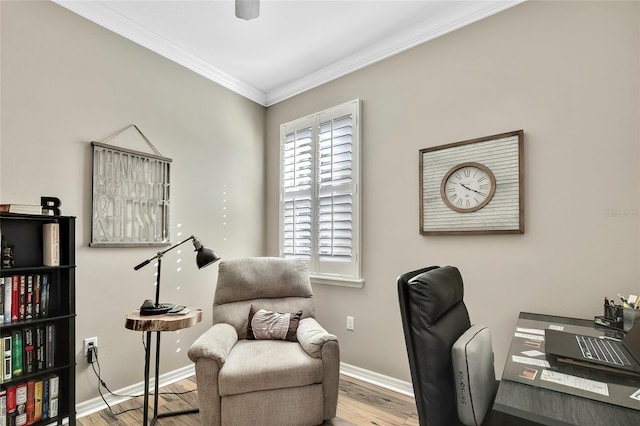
column 274, row 284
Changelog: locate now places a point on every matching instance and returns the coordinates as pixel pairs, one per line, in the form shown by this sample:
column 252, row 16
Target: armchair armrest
column 215, row 343
column 312, row 337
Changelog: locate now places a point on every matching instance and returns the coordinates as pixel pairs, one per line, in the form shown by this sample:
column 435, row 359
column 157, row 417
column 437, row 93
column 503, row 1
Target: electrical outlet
column 350, row 323
column 87, row 342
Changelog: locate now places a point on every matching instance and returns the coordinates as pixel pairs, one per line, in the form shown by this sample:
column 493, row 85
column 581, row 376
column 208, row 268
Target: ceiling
column 293, row 46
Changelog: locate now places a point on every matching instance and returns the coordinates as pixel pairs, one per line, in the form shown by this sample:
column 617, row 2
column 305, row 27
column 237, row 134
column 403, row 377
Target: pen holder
column 614, row 314
column 630, row 316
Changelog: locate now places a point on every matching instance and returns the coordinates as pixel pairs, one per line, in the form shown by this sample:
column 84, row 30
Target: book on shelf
column 15, row 297
column 7, row 299
column 38, row 399
column 28, row 350
column 21, row 208
column 2, row 293
column 28, row 310
column 45, row 398
column 3, row 406
column 44, row 296
column 6, row 348
column 22, row 298
column 54, row 393
column 39, row 385
column 49, row 345
column 37, row 283
column 40, row 345
column 11, row 403
column 51, row 244
column 16, row 353
column 21, row 404
column 53, row 407
column 30, row 410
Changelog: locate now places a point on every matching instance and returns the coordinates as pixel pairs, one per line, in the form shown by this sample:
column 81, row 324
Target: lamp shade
column 205, row 256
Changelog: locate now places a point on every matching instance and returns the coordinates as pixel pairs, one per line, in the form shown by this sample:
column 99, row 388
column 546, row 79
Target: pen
column 637, row 304
column 622, row 298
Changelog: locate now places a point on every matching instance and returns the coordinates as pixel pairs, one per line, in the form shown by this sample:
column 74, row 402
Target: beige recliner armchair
column 265, row 382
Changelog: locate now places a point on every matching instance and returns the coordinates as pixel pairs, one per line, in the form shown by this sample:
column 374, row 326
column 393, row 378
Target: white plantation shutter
column 334, row 228
column 297, row 152
column 320, row 200
column 334, row 190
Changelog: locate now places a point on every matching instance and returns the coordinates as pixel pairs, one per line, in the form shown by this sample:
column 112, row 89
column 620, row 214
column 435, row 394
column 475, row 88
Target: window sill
column 337, row 281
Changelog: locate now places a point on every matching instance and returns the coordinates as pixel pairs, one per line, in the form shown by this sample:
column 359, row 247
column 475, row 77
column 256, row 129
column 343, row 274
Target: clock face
column 468, row 187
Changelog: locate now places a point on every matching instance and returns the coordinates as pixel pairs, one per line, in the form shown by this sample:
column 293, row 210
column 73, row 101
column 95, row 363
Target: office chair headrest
column 438, row 291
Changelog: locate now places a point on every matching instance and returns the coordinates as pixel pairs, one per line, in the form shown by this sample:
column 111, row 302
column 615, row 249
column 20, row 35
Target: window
column 320, row 193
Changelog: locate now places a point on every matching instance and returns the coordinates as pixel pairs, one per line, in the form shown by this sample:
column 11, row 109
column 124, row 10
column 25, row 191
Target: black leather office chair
column 434, row 317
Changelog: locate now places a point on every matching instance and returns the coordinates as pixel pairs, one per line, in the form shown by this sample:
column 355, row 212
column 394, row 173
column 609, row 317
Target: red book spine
column 31, row 402
column 15, row 297
column 23, row 298
column 11, row 399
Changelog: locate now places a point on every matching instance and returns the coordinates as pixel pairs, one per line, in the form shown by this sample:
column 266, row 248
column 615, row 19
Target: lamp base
column 159, row 309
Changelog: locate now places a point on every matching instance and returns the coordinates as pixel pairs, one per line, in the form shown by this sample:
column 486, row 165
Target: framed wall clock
column 473, row 187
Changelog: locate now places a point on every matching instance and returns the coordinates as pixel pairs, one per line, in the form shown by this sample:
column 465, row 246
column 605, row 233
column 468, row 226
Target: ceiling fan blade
column 247, row 9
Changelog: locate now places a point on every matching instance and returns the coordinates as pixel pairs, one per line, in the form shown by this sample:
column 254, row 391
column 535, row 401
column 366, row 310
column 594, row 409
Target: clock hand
column 471, row 189
column 465, row 186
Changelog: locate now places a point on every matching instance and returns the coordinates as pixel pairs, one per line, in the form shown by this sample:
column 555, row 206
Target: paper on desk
column 530, row 330
column 533, row 352
column 529, row 336
column 556, row 327
column 530, row 361
column 575, row 382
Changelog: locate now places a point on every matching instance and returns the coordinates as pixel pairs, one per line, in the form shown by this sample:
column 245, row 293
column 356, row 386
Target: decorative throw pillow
column 269, row 325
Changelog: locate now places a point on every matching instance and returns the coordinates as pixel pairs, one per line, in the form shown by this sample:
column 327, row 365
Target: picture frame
column 130, row 198
column 474, row 186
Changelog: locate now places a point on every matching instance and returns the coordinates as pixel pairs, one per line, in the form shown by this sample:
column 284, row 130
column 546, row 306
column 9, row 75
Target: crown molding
column 468, row 13
column 101, row 14
column 405, row 40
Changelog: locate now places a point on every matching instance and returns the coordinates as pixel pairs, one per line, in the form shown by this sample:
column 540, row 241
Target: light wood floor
column 359, row 403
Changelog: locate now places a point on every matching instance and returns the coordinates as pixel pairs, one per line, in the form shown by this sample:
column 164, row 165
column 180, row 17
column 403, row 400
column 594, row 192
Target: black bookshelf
column 25, row 234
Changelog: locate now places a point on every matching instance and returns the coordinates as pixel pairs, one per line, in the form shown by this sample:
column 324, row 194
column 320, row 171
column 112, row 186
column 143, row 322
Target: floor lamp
column 204, row 257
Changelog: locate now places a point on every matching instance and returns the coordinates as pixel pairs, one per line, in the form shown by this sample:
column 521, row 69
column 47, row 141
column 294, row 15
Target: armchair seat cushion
column 288, row 366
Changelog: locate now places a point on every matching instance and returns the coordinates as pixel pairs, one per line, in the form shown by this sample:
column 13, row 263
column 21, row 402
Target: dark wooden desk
column 526, row 405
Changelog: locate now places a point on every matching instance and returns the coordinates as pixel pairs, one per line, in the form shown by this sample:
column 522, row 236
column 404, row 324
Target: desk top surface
column 164, row 322
column 523, row 394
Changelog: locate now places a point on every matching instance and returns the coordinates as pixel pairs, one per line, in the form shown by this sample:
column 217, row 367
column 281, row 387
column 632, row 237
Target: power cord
column 92, row 358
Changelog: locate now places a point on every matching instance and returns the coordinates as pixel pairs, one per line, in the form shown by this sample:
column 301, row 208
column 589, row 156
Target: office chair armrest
column 215, row 343
column 312, row 336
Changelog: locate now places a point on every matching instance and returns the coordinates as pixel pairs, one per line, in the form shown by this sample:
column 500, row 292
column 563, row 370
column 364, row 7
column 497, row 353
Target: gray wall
column 66, row 82
column 566, row 73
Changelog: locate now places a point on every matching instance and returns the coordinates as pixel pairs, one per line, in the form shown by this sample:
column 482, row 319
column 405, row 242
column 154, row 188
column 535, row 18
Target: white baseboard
column 97, row 404
column 377, row 379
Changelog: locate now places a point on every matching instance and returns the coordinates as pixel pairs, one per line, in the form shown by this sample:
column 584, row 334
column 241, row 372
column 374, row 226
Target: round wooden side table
column 159, row 323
